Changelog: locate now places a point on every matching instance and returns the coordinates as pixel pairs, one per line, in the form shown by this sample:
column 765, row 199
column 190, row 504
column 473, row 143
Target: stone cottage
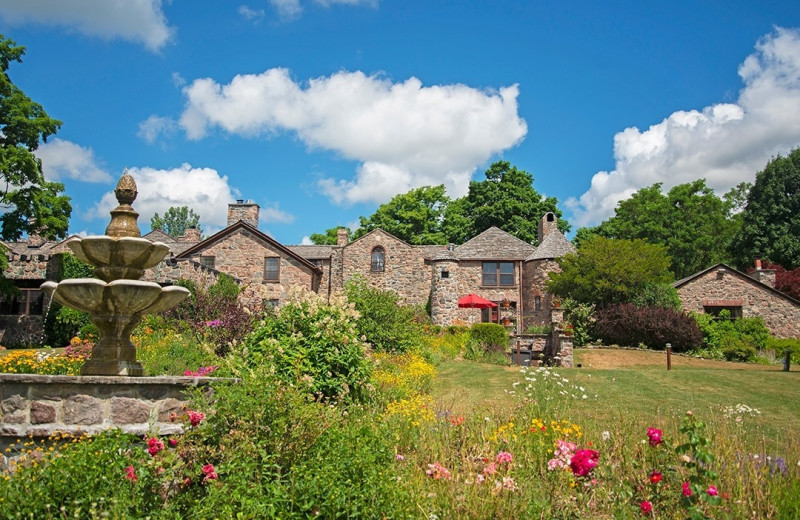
column 721, row 287
column 494, row 265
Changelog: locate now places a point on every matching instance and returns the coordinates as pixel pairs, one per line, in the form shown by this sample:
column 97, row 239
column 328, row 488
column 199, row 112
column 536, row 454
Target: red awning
column 473, row 301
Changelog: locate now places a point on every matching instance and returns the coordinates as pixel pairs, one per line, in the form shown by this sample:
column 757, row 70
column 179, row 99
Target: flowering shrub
column 629, row 326
column 583, row 462
column 40, row 362
column 314, row 343
column 403, row 375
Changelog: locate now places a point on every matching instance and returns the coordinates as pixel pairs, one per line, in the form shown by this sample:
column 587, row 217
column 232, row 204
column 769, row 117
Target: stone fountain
column 117, row 300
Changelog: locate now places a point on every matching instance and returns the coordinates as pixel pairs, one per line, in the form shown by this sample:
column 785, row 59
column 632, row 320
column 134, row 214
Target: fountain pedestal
column 117, row 302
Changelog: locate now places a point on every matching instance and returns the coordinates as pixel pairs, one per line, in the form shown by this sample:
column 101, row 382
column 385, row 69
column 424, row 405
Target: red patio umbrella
column 473, row 301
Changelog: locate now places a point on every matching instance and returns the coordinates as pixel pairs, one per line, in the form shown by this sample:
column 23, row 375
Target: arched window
column 378, row 259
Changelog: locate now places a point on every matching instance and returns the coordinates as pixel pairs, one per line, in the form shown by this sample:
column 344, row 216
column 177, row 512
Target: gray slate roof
column 312, row 252
column 494, row 244
column 554, row 245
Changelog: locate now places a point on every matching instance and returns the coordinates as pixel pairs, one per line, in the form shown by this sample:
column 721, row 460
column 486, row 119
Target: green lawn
column 639, row 390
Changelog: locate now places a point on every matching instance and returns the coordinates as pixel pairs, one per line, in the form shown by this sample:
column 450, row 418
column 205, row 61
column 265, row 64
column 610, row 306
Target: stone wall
column 536, row 277
column 171, row 270
column 444, row 291
column 40, row 405
column 780, row 314
column 405, row 271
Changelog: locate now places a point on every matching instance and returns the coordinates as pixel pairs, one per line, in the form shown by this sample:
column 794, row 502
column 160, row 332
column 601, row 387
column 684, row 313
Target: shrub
column 489, row 335
column 164, row 350
column 735, row 349
column 778, row 348
column 313, row 343
column 581, row 317
column 657, row 295
column 62, row 324
column 384, row 323
column 628, row 325
column 721, row 331
column 538, row 329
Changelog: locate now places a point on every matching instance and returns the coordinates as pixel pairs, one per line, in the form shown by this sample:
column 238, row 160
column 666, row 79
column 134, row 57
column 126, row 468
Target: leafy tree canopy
column 29, row 203
column 693, row 224
column 329, row 238
column 770, row 226
column 506, row 199
column 415, row 217
column 176, row 221
column 605, row 271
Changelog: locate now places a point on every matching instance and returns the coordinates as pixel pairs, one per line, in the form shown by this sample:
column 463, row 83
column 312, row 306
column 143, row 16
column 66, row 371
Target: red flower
column 646, row 507
column 173, row 442
column 583, row 462
column 712, row 491
column 686, row 490
column 655, row 477
column 154, row 445
column 130, row 474
column 209, row 472
column 195, row 417
column 654, row 435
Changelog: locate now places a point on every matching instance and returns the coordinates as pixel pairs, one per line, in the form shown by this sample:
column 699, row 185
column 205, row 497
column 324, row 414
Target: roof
column 680, row 283
column 314, row 252
column 494, row 244
column 198, row 247
column 554, row 245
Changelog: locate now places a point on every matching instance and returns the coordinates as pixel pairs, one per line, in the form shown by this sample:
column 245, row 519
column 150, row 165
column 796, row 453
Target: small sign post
column 669, row 356
column 787, row 360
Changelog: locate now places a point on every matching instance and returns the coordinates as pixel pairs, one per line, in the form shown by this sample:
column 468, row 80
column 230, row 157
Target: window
column 445, row 274
column 270, row 303
column 378, row 259
column 498, row 273
column 28, row 302
column 733, row 311
column 207, row 261
column 272, row 269
column 537, row 303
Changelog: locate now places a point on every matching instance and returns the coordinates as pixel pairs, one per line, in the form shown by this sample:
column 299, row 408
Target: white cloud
column 250, row 14
column 274, row 214
column 156, row 126
column 62, row 159
column 140, row 21
column 405, row 135
column 203, row 190
column 725, row 143
column 306, row 241
column 287, row 9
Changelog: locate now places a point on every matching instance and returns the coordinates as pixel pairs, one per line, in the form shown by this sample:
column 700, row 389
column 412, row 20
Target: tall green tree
column 604, row 271
column 694, row 224
column 329, row 238
column 771, row 219
column 505, row 199
column 29, row 203
column 415, row 217
column 176, row 221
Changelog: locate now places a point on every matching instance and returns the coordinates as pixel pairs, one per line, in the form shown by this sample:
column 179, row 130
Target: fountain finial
column 123, row 218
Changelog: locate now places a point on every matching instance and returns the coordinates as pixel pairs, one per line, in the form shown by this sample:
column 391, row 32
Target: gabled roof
column 554, row 245
column 157, row 235
column 680, row 283
column 203, row 244
column 494, row 244
column 313, row 252
column 381, row 231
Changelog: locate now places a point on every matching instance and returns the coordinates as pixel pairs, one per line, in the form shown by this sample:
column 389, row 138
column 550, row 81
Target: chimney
column 342, row 237
column 190, row 235
column 547, row 225
column 34, row 238
column 765, row 276
column 246, row 211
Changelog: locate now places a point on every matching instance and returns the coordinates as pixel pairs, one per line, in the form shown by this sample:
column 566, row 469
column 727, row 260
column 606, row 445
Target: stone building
column 494, row 265
column 721, row 287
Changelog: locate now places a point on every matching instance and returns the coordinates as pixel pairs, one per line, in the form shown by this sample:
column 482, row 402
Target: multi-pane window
column 272, row 269
column 378, row 259
column 498, row 273
column 27, row 302
column 207, row 261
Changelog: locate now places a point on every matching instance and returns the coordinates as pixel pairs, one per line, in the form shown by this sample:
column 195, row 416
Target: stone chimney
column 34, row 238
column 342, row 237
column 765, row 276
column 547, row 225
column 246, row 211
column 191, row 235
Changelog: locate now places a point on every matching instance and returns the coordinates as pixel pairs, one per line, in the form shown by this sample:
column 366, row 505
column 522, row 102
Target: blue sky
column 320, row 110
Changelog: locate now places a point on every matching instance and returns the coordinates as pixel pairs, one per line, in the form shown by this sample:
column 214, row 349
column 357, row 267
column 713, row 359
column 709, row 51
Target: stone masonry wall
column 405, row 271
column 536, row 276
column 42, row 405
column 444, row 302
column 781, row 316
column 170, row 271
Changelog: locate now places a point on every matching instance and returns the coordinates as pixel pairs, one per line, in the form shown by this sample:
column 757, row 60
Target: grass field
column 628, row 385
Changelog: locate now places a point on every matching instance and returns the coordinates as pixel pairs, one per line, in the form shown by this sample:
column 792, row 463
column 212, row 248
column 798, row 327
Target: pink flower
column 686, row 489
column 654, row 434
column 712, row 491
column 504, row 457
column 399, row 457
column 655, row 477
column 154, row 446
column 479, row 479
column 195, row 417
column 209, row 472
column 173, row 442
column 583, row 462
column 490, row 469
column 130, row 474
column 646, row 507
column 436, row 471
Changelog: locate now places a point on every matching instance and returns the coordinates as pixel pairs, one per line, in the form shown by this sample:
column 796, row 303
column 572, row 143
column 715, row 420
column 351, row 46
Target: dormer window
column 378, row 260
